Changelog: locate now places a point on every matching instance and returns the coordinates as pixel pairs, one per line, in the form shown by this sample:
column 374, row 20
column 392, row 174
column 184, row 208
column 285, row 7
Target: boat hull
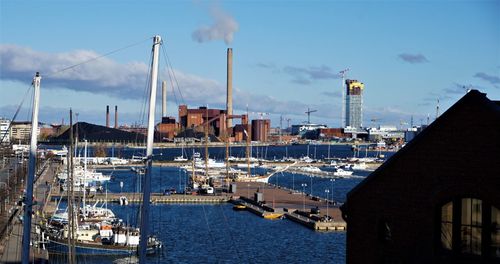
column 56, row 247
column 273, row 216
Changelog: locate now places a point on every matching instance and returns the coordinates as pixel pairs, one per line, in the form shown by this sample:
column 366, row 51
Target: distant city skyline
column 287, row 56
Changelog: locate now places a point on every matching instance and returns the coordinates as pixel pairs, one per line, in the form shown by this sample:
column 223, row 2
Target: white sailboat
column 181, row 158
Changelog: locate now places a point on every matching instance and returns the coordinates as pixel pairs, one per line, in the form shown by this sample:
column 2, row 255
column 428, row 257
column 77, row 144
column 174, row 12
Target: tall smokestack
column 116, row 116
column 107, row 116
column 229, row 99
column 164, row 99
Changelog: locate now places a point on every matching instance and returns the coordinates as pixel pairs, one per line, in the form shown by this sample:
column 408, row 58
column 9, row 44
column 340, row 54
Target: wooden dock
column 291, row 204
column 155, row 198
column 294, row 205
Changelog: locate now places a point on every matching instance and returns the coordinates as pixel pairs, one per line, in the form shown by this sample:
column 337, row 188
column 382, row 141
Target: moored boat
column 239, row 207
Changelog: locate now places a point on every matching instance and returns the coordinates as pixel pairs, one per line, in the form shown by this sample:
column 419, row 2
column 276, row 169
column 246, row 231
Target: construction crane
column 308, row 112
column 342, row 73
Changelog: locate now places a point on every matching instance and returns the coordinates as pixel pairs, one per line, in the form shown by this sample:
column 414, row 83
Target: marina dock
column 155, row 198
column 274, row 202
column 294, row 205
column 291, row 204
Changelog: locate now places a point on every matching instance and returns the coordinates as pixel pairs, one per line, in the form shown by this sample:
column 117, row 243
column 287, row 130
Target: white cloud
column 103, row 76
column 128, row 80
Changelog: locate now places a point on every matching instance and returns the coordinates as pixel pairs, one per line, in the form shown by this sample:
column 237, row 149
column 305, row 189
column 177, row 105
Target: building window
column 446, row 225
column 495, row 232
column 470, row 227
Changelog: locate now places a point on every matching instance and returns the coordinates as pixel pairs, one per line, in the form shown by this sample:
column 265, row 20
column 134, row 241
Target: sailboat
column 91, row 230
column 181, row 158
column 253, row 178
column 110, row 237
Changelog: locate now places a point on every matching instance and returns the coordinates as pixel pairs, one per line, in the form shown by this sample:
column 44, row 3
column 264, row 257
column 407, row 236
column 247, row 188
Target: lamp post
column 327, row 202
column 248, row 190
column 332, row 181
column 304, row 185
column 311, row 185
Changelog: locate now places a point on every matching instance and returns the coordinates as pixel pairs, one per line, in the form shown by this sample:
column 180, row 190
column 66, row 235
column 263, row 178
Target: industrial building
column 195, row 118
column 436, row 200
column 167, row 129
column 331, row 133
column 305, row 128
column 260, row 129
column 240, row 132
column 4, row 130
column 354, row 103
column 21, row 131
column 385, row 132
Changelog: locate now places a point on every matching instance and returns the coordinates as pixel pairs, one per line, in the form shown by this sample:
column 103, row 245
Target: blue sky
column 287, row 55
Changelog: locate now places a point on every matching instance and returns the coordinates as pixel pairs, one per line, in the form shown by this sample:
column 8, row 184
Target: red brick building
column 193, row 118
column 438, row 199
column 332, row 133
column 167, row 129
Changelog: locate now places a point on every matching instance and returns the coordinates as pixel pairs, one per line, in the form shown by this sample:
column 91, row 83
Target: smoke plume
column 223, row 28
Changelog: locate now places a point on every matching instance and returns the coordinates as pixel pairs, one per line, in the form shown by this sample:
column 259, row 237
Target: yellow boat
column 272, row 215
column 239, row 207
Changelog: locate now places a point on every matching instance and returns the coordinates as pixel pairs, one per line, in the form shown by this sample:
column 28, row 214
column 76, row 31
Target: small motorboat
column 239, row 207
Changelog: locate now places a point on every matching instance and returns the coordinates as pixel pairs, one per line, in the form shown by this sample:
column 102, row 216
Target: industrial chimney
column 116, row 116
column 164, row 99
column 229, row 99
column 107, row 116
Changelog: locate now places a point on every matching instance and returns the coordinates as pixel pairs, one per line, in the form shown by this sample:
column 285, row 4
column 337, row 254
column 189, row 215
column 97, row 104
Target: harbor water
column 214, row 233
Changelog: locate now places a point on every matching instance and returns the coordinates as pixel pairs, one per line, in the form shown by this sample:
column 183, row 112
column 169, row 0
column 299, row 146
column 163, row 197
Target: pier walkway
column 11, row 251
column 294, row 205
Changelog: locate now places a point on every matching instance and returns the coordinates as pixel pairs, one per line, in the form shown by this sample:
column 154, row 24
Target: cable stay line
column 17, row 111
column 169, row 64
column 96, row 58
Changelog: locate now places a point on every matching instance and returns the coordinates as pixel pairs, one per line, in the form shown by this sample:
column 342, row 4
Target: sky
column 286, row 56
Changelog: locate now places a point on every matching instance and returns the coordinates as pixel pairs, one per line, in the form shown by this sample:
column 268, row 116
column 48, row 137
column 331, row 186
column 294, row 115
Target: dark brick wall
column 457, row 156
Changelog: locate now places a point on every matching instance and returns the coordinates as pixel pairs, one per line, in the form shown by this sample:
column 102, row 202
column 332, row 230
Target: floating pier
column 155, row 198
column 272, row 202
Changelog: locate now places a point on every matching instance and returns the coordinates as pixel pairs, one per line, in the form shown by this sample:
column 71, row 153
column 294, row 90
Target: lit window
column 471, row 226
column 446, row 225
column 495, row 232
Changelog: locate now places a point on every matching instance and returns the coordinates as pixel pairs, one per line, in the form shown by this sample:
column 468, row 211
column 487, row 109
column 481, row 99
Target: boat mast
column 71, row 196
column 248, row 148
column 206, row 147
column 84, row 179
column 146, row 195
column 28, row 208
column 193, row 174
